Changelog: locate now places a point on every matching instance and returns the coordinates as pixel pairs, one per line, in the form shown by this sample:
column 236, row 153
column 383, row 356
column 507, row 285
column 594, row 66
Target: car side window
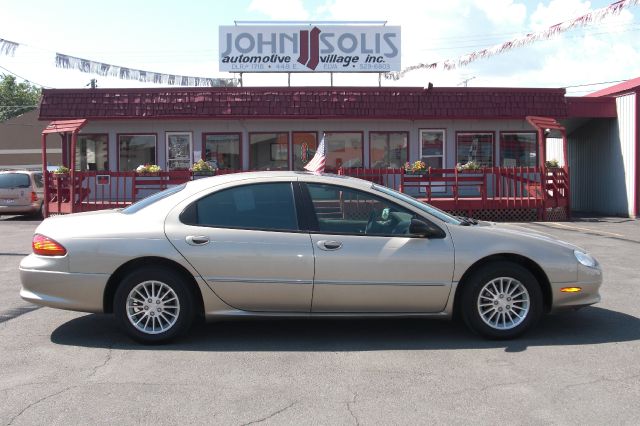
column 37, row 178
column 341, row 210
column 264, row 206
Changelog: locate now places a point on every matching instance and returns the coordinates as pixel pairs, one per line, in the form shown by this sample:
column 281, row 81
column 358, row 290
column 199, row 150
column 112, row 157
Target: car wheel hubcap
column 503, row 303
column 152, row 307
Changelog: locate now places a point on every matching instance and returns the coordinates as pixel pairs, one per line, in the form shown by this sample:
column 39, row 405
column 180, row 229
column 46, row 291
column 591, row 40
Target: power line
column 595, row 84
column 25, row 79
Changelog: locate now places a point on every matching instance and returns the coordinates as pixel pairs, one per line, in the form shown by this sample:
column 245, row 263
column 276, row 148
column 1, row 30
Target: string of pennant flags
column 124, row 73
column 8, row 48
column 590, row 18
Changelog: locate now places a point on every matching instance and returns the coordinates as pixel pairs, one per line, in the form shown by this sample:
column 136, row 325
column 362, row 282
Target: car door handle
column 197, row 240
column 329, row 245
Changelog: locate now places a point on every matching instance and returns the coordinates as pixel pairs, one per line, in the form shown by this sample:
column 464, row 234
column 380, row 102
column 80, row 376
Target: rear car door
column 245, row 241
column 367, row 262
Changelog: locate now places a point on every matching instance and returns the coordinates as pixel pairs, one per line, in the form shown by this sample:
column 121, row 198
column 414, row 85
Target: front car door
column 246, row 243
column 367, row 262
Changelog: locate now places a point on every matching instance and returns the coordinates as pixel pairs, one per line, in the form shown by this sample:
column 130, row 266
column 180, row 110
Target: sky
column 181, row 37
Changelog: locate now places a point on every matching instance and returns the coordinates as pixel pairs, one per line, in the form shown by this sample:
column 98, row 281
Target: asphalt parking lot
column 59, row 367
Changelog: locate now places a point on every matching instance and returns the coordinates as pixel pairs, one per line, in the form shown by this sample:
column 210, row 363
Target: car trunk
column 15, row 189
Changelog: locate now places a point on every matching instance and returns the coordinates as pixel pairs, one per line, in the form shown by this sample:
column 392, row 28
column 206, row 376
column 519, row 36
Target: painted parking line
column 578, row 228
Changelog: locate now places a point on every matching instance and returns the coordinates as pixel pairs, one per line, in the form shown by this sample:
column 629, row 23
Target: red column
column 45, row 176
column 72, row 180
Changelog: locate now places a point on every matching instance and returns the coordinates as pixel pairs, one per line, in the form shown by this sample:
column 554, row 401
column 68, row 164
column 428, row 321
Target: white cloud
column 503, row 12
column 280, row 10
column 436, row 31
column 557, row 11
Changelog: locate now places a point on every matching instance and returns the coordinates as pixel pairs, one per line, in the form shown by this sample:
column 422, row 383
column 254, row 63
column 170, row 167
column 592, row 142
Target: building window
column 222, row 151
column 304, row 147
column 388, row 149
column 179, row 147
column 92, row 152
column 432, row 147
column 518, row 149
column 269, row 151
column 135, row 150
column 476, row 147
column 344, row 149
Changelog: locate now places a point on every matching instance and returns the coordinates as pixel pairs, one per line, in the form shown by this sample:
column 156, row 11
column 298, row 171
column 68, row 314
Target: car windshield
column 14, row 180
column 445, row 217
column 146, row 202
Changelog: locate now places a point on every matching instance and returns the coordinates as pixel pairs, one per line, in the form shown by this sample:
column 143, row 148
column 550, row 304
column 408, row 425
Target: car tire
column 40, row 213
column 153, row 305
column 501, row 300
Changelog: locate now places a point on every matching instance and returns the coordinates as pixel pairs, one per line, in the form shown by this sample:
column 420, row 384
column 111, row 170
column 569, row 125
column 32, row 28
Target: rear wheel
column 153, row 305
column 501, row 300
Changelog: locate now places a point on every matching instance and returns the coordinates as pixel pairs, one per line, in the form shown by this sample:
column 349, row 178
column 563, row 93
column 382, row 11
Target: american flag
column 317, row 162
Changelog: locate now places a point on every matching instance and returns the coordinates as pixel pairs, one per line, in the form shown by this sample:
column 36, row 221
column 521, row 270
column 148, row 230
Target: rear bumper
column 32, row 208
column 63, row 290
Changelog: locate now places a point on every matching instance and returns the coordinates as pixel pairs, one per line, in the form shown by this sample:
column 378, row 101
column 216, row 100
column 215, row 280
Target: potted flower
column 415, row 168
column 145, row 169
column 552, row 164
column 468, row 166
column 202, row 168
column 61, row 170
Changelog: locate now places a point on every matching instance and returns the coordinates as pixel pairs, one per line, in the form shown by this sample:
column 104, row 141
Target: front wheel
column 501, row 300
column 153, row 305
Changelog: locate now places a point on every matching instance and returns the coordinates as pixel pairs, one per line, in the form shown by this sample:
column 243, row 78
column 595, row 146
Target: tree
column 16, row 98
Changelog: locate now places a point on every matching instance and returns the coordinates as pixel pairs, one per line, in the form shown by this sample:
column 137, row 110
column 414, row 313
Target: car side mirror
column 420, row 228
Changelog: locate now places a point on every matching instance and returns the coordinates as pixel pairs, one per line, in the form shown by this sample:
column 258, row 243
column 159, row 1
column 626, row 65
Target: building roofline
column 287, row 89
column 632, row 85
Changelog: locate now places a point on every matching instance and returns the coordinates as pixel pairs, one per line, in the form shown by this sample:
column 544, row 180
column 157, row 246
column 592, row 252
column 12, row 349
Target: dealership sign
column 309, row 49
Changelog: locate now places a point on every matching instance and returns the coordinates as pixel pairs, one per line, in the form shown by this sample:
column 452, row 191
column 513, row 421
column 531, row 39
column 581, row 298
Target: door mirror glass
column 423, row 229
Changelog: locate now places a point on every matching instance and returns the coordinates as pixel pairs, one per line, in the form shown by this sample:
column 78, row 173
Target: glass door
column 179, row 146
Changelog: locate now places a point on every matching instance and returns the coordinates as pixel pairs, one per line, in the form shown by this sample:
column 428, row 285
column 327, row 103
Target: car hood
column 522, row 232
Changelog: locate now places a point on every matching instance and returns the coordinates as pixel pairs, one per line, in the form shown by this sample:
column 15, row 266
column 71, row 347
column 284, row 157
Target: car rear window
column 152, row 199
column 14, row 180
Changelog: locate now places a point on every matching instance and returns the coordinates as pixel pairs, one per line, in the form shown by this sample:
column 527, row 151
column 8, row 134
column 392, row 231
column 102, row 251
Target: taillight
column 45, row 246
column 34, row 197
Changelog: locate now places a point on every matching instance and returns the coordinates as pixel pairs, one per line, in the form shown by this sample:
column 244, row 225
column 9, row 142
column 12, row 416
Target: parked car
column 21, row 192
column 297, row 244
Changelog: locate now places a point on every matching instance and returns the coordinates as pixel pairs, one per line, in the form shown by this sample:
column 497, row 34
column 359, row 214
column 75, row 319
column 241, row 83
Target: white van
column 21, row 192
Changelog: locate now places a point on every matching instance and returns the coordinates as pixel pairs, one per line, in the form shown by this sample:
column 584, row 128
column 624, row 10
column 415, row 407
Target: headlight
column 585, row 259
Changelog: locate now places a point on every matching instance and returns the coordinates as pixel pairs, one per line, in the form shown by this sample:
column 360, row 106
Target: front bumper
column 63, row 290
column 589, row 280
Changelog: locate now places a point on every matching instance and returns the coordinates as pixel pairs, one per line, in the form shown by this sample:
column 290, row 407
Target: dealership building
column 365, row 130
column 493, row 153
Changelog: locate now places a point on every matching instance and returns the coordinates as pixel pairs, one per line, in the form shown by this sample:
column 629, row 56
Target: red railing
column 487, row 188
column 449, row 189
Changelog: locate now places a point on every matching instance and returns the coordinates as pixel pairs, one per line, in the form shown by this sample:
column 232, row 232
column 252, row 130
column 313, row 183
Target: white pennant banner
column 8, row 48
column 123, row 73
column 582, row 21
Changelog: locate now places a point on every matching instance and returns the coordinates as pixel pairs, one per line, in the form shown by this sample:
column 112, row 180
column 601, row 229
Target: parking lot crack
column 602, row 380
column 349, row 404
column 103, row 364
column 44, row 398
column 275, row 413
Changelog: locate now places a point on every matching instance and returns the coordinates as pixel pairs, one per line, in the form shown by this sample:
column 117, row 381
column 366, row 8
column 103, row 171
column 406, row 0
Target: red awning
column 64, row 126
column 544, row 123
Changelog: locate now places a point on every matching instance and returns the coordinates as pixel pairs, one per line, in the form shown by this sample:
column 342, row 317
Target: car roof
column 266, row 176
